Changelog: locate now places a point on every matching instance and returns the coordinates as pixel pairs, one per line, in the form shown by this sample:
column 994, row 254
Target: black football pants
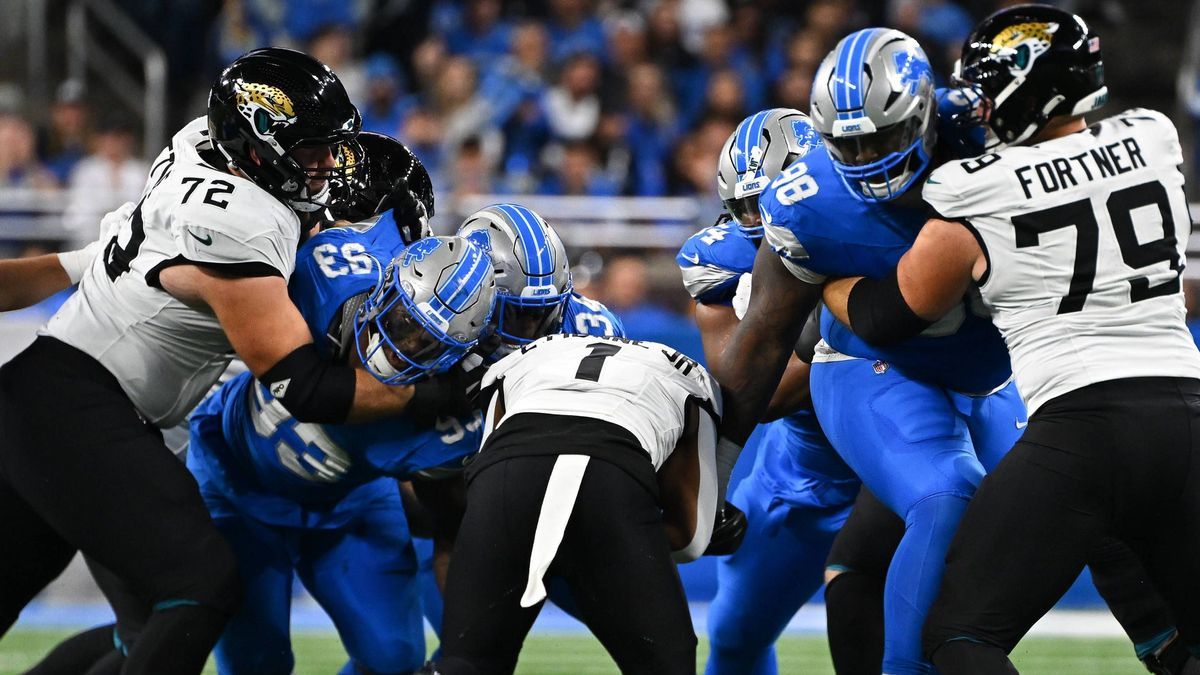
column 614, row 557
column 1115, row 458
column 80, row 470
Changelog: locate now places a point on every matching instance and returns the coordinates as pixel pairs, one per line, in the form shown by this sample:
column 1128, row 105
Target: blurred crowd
column 508, row 97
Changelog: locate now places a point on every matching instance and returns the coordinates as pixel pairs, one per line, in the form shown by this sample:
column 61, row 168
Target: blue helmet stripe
column 840, row 94
column 856, row 66
column 756, row 136
column 538, row 257
column 458, row 289
column 742, row 158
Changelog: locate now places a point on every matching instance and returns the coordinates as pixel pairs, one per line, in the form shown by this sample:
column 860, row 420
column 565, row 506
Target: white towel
column 557, row 504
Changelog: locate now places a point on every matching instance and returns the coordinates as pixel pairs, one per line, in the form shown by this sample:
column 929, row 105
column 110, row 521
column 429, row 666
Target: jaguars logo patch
column 1024, row 43
column 266, row 107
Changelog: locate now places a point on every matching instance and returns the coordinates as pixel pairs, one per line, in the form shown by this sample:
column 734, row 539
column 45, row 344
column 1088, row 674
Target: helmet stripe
column 458, row 289
column 850, row 72
column 538, row 257
column 756, row 136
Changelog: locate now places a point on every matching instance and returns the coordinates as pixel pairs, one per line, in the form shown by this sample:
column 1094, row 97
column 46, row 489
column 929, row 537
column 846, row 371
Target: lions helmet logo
column 419, row 250
column 913, row 67
column 266, row 107
column 1024, row 43
column 482, row 239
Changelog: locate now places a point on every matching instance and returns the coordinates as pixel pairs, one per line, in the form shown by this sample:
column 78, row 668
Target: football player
column 1075, row 237
column 918, row 420
column 308, row 500
column 599, row 468
column 799, row 492
column 196, row 273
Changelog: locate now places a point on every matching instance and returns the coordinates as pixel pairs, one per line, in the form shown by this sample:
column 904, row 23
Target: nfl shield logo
column 880, row 367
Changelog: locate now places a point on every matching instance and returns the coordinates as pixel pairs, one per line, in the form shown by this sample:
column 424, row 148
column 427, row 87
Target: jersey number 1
column 1121, row 205
column 590, row 366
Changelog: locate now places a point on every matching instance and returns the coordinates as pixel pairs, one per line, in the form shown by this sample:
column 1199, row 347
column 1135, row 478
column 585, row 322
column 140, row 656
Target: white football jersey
column 1085, row 238
column 642, row 386
column 166, row 354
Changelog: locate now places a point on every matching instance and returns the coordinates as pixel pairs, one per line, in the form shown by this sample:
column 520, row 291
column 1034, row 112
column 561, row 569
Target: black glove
column 728, row 532
column 408, row 211
column 453, row 393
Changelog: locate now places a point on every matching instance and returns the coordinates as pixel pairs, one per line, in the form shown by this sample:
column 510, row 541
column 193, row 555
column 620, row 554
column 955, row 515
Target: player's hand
column 450, row 394
column 408, row 211
column 728, row 532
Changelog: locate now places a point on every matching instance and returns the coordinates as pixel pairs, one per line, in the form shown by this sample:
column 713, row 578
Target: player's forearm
column 374, row 400
column 752, row 364
column 836, row 295
column 28, row 281
column 792, row 393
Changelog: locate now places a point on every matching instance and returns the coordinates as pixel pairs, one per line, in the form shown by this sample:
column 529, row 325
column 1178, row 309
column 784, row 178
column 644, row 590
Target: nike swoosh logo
column 694, row 258
column 1022, row 425
column 207, row 240
column 930, row 180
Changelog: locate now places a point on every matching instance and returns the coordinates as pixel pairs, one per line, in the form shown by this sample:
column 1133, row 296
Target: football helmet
column 873, row 102
column 366, row 190
column 268, row 103
column 533, row 275
column 430, row 307
column 761, row 147
column 1032, row 62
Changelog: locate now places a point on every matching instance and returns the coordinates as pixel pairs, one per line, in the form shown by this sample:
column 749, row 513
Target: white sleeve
column 707, row 497
column 209, row 243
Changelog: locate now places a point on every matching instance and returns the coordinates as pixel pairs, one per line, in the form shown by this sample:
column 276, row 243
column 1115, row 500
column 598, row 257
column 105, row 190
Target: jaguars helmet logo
column 1023, row 43
column 266, row 107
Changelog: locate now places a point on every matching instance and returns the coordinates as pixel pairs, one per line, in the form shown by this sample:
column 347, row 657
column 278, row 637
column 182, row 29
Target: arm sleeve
column 707, row 496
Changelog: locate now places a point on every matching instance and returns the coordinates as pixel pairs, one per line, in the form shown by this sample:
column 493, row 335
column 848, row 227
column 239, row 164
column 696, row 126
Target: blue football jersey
column 713, row 260
column 820, row 229
column 585, row 316
column 337, row 264
column 314, row 475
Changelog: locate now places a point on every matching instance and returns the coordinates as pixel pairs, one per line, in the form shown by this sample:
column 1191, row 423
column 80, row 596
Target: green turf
column 573, row 654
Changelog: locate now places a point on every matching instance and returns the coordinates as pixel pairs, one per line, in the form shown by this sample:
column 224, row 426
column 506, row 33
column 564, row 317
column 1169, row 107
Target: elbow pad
column 311, row 388
column 879, row 314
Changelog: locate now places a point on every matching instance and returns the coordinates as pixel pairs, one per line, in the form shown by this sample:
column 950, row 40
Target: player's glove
column 408, row 211
column 728, row 532
column 962, row 120
column 450, row 394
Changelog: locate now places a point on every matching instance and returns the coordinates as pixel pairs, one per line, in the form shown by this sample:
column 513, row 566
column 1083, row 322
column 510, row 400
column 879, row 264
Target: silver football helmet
column 873, row 102
column 761, row 147
column 533, row 274
column 430, row 307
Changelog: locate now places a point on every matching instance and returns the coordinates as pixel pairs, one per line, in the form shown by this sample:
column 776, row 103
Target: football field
column 320, row 653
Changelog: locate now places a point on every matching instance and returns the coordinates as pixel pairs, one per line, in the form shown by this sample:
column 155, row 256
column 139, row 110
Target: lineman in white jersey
column 197, row 271
column 598, row 466
column 1075, row 235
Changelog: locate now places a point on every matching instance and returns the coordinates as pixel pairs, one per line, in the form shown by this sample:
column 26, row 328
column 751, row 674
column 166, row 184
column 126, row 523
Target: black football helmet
column 370, row 188
column 1032, row 62
column 271, row 101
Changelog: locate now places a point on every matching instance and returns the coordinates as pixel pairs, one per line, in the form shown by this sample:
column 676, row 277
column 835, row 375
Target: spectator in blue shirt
column 579, row 174
column 481, row 35
column 574, row 28
column 385, row 106
column 651, row 129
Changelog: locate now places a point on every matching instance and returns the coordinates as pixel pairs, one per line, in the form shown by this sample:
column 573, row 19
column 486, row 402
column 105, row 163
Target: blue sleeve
column 712, row 262
column 584, row 316
column 424, row 450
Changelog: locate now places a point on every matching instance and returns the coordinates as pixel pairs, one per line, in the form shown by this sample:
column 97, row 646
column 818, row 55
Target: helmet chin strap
column 308, row 204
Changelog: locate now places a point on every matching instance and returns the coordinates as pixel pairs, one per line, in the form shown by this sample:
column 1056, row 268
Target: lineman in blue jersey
column 799, row 492
column 918, row 421
column 535, row 295
column 910, row 420
column 308, row 499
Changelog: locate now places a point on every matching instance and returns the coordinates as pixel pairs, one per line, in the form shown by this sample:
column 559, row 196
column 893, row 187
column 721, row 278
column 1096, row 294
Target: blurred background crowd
column 514, row 99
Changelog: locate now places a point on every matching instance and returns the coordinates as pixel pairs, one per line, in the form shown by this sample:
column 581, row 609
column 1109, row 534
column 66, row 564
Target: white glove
column 741, row 297
column 76, row 263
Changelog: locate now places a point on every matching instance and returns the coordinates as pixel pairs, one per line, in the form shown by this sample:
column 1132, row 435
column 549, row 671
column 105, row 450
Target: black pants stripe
column 1117, row 458
column 80, row 470
column 614, row 557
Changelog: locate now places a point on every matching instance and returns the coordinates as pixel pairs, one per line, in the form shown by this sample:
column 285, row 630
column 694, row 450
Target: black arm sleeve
column 311, row 388
column 879, row 314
